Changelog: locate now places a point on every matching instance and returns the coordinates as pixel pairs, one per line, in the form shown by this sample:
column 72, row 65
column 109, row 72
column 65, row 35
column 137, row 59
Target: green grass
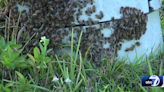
column 36, row 75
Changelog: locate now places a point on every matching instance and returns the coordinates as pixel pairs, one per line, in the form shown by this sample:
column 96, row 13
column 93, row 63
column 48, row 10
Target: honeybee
column 80, row 6
column 121, row 10
column 23, row 11
column 38, row 11
column 14, row 7
column 79, row 11
column 101, row 13
column 116, row 54
column 101, row 27
column 85, row 4
column 128, row 49
column 144, row 31
column 94, row 8
column 34, row 15
column 138, row 43
column 113, row 19
column 98, row 16
column 91, row 2
column 95, row 22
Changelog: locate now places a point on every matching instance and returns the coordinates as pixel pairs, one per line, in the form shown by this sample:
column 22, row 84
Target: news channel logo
column 152, row 81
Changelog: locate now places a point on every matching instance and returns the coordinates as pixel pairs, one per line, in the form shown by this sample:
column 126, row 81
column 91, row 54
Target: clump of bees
column 55, row 20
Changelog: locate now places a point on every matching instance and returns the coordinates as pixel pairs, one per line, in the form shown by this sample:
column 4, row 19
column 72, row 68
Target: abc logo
column 153, row 81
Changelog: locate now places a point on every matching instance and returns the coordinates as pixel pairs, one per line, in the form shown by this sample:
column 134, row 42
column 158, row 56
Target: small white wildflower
column 55, row 78
column 43, row 39
column 67, row 80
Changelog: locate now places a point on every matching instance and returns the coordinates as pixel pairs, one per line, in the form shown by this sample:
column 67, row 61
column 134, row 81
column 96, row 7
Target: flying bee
column 94, row 8
column 138, row 43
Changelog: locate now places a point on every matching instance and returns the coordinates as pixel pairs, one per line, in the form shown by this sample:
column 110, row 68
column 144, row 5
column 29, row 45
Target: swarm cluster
column 131, row 26
column 56, row 18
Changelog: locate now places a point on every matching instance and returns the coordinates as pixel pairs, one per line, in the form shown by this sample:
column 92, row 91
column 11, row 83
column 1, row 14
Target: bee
column 116, row 54
column 87, row 13
column 94, row 8
column 144, row 31
column 59, row 18
column 95, row 22
column 91, row 2
column 121, row 10
column 113, row 19
column 34, row 15
column 120, row 46
column 50, row 2
column 23, row 11
column 128, row 49
column 85, row 4
column 38, row 11
column 107, row 25
column 75, row 4
column 101, row 27
column 98, row 16
column 79, row 12
column 28, row 4
column 132, row 48
column 14, row 7
column 80, row 6
column 101, row 13
column 138, row 43
column 109, row 40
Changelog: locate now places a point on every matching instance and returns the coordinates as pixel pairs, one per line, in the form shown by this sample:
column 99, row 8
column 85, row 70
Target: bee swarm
column 55, row 20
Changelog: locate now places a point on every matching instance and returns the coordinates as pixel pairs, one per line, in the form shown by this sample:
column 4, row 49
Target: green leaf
column 3, row 43
column 49, row 50
column 22, row 79
column 42, row 49
column 10, row 43
column 9, row 51
column 17, row 46
column 31, row 57
column 47, row 42
column 36, row 55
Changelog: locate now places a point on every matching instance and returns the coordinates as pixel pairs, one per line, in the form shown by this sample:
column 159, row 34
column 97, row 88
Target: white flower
column 55, row 78
column 67, row 80
column 43, row 39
